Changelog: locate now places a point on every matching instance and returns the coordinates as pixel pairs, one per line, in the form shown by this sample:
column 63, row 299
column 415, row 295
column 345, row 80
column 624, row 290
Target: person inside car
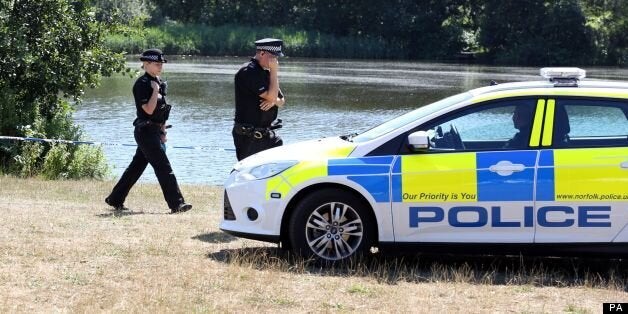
column 522, row 121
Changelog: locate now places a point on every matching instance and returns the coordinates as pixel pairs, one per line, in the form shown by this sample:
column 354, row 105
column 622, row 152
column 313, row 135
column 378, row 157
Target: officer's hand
column 280, row 102
column 265, row 105
column 154, row 85
column 163, row 138
column 273, row 64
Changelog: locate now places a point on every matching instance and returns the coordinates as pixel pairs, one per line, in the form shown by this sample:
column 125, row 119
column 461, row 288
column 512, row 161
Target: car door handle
column 506, row 168
column 624, row 165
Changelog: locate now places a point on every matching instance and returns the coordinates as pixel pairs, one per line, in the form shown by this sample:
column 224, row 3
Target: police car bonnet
column 154, row 55
column 271, row 45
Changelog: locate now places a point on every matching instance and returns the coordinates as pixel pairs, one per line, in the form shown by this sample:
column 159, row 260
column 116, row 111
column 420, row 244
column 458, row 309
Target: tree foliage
column 541, row 32
column 608, row 22
column 510, row 32
column 50, row 52
column 126, row 12
column 406, row 23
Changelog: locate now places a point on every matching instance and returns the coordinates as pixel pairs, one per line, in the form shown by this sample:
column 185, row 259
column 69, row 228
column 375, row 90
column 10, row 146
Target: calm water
column 324, row 98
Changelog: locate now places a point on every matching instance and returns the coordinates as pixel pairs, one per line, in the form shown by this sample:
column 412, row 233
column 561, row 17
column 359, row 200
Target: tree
column 541, row 32
column 50, row 52
column 609, row 21
column 124, row 11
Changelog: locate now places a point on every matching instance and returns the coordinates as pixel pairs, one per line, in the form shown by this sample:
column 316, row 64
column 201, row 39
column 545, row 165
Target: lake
column 324, row 98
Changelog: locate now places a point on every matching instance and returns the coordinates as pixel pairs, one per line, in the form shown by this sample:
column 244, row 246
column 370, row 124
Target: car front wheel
column 331, row 225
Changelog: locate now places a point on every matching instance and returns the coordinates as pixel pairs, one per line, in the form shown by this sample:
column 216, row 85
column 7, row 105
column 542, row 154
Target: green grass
column 190, row 39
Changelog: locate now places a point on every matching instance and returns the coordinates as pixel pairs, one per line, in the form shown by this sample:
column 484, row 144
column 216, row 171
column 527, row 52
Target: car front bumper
column 249, row 212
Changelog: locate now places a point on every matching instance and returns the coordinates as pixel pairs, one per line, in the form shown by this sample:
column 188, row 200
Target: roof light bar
column 565, row 73
column 563, row 77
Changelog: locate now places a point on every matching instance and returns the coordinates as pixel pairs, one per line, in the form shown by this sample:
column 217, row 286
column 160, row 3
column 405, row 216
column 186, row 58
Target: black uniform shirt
column 520, row 140
column 142, row 91
column 251, row 81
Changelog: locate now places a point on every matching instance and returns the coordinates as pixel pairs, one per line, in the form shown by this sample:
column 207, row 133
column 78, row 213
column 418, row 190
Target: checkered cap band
column 270, row 48
column 152, row 57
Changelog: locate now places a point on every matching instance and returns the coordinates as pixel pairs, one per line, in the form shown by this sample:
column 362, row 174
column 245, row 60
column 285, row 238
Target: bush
column 27, row 162
column 88, row 162
column 74, row 162
column 55, row 162
column 50, row 52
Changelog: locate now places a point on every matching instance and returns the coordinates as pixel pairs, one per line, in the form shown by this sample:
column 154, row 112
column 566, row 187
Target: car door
column 583, row 172
column 475, row 183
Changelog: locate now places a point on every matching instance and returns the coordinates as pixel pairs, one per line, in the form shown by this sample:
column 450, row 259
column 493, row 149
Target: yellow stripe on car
column 301, row 172
column 549, row 123
column 340, row 152
column 538, row 123
column 599, row 92
column 305, row 170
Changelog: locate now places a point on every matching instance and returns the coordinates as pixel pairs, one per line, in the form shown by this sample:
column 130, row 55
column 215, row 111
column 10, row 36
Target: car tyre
column 331, row 225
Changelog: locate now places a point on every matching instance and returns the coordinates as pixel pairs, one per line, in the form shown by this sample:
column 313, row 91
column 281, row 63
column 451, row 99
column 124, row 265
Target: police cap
column 153, row 55
column 271, row 45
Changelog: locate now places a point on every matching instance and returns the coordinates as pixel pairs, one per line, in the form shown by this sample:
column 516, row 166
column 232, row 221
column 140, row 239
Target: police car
column 528, row 167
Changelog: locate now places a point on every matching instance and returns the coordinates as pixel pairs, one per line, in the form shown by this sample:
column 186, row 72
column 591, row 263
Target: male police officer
column 258, row 97
column 150, row 134
column 522, row 121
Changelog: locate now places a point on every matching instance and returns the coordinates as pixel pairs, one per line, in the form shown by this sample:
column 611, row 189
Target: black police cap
column 153, row 55
column 271, row 45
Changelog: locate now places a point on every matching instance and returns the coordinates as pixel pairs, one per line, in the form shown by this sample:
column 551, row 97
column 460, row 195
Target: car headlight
column 264, row 171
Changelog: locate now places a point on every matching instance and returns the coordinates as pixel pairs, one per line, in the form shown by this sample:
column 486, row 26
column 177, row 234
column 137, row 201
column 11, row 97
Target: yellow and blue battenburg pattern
column 372, row 173
column 586, row 174
column 563, row 175
column 304, row 171
column 462, row 177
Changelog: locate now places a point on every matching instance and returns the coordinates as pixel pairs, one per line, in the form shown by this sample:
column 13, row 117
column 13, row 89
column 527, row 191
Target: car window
column 592, row 123
column 409, row 117
column 499, row 125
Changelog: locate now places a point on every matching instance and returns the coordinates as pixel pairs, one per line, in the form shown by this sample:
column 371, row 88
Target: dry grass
column 63, row 250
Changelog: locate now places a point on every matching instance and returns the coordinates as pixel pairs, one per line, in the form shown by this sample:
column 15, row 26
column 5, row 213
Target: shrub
column 53, row 51
column 55, row 162
column 88, row 162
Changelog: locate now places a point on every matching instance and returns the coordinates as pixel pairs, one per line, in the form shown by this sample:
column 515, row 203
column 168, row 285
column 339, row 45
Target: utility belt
column 144, row 123
column 259, row 133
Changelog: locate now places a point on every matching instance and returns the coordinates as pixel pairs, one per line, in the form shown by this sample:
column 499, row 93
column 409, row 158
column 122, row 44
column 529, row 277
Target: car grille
column 228, row 211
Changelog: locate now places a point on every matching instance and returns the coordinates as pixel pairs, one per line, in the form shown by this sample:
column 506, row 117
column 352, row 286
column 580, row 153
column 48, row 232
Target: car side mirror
column 419, row 140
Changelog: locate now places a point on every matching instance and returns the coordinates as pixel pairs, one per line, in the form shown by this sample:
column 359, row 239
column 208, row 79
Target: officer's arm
column 150, row 106
column 281, row 99
column 273, row 86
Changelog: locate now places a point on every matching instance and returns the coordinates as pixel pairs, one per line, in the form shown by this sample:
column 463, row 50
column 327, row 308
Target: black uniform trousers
column 149, row 150
column 247, row 145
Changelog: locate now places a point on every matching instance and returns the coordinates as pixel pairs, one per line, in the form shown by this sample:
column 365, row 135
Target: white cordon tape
column 46, row 140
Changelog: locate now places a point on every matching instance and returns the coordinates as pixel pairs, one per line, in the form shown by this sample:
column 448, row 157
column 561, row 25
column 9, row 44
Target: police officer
column 149, row 92
column 522, row 121
column 257, row 99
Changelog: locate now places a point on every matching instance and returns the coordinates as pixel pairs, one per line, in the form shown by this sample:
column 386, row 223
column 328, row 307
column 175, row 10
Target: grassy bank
column 62, row 249
column 234, row 40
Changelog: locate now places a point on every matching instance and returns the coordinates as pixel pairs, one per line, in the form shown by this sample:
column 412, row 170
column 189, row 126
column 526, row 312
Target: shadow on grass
column 472, row 269
column 123, row 213
column 120, row 213
column 215, row 237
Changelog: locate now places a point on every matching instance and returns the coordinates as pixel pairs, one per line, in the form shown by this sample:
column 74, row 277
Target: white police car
column 517, row 167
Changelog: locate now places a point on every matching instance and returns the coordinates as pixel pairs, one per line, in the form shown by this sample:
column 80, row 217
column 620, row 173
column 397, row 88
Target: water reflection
column 324, row 98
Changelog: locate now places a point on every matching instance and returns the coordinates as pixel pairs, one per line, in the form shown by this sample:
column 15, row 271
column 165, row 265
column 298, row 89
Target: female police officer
column 152, row 112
